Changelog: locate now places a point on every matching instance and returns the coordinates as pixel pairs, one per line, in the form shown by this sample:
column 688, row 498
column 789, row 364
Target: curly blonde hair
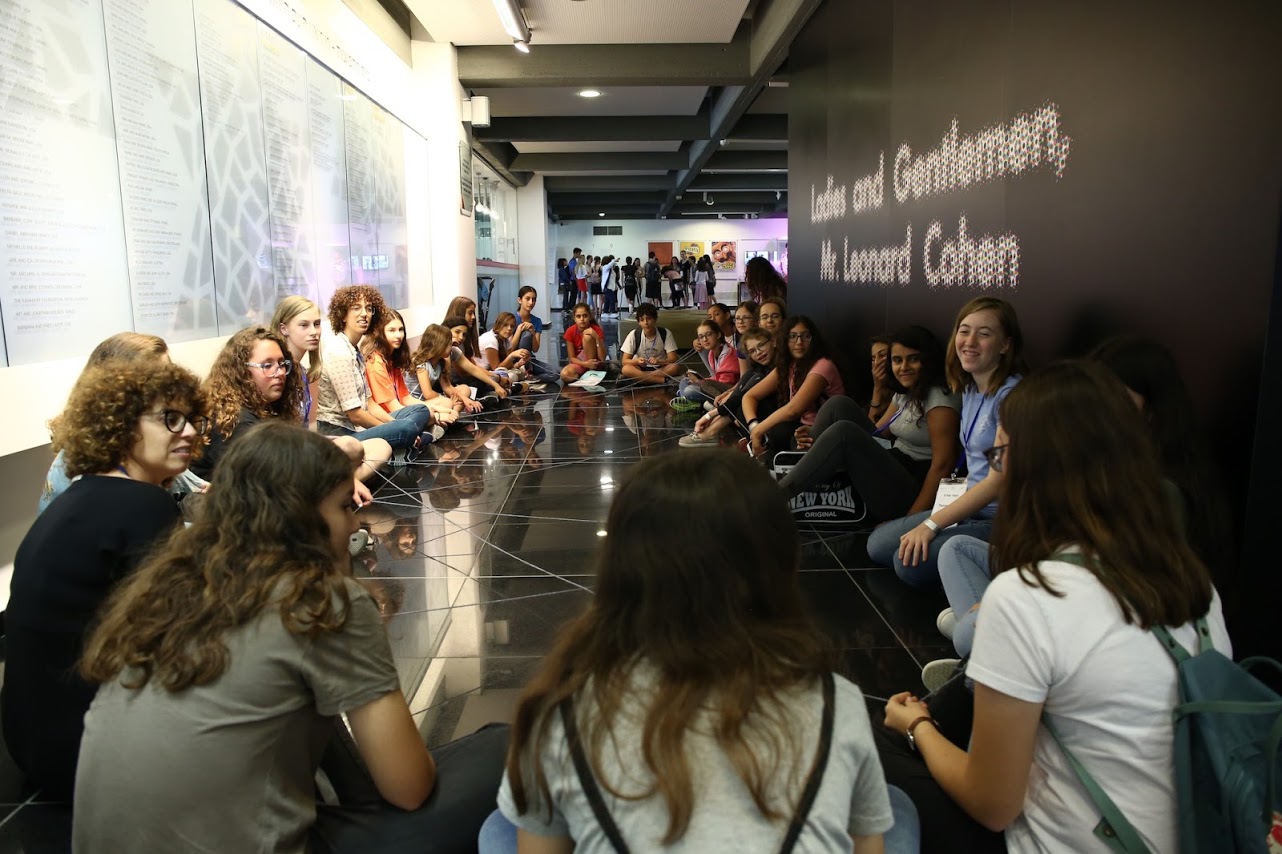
column 229, row 388
column 99, row 425
column 346, row 297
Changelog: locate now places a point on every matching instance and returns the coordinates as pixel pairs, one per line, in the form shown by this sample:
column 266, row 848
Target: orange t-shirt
column 385, row 385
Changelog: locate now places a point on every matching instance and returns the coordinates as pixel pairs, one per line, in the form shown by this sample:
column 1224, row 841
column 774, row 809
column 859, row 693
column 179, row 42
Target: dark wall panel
column 1163, row 219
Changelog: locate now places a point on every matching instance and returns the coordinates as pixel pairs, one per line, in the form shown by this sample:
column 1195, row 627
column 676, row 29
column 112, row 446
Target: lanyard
column 886, row 429
column 961, row 458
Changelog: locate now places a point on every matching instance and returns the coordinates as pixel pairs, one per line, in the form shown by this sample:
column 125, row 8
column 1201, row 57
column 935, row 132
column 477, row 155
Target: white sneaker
column 936, row 673
column 946, row 622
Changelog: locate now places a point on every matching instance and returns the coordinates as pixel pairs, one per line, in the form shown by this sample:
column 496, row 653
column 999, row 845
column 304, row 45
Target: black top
column 204, row 466
column 78, row 550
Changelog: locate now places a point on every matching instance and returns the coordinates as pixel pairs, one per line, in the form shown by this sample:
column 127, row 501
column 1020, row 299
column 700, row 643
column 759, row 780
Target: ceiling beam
column 739, row 161
column 603, row 128
column 595, row 210
column 761, row 127
column 498, row 156
column 774, row 27
column 599, row 161
column 747, row 182
column 606, row 183
column 486, row 66
column 610, row 197
column 765, row 198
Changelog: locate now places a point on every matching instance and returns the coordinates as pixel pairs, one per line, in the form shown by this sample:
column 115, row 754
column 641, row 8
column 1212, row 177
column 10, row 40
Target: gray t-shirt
column 852, row 799
column 228, row 766
column 912, row 436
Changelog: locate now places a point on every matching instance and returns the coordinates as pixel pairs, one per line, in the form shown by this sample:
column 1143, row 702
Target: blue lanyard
column 961, row 458
column 898, row 413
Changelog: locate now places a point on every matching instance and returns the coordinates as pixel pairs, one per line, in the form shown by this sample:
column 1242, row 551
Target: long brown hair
column 724, row 632
column 229, row 388
column 435, row 339
column 1012, row 361
column 505, row 346
column 1081, row 470
column 458, row 308
column 258, row 541
column 376, row 342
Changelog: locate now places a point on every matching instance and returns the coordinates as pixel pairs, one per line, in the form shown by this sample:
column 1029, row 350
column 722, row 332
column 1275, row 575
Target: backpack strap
column 1113, row 829
column 587, row 781
column 815, row 779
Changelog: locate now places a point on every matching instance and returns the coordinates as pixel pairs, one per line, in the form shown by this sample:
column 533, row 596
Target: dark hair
column 376, row 342
column 1012, row 361
column 879, row 339
column 525, row 289
column 230, row 387
column 784, row 365
column 434, row 337
column 576, row 251
column 931, row 374
column 752, row 308
column 763, row 280
column 346, row 297
column 100, row 423
column 457, row 309
column 258, row 541
column 725, row 634
column 1081, row 471
column 1148, row 369
column 645, row 309
column 583, row 305
column 453, row 320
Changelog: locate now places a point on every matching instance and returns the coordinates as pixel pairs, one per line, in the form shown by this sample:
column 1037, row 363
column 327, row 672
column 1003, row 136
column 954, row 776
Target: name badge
column 950, row 489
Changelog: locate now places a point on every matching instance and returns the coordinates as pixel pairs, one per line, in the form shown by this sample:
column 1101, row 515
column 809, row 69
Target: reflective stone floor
column 488, row 548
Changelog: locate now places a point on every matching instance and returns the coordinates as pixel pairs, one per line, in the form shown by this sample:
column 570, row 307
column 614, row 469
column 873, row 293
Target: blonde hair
column 286, row 310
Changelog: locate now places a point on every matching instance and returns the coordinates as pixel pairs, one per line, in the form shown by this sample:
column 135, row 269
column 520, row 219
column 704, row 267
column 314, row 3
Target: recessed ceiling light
column 601, row 214
column 590, row 93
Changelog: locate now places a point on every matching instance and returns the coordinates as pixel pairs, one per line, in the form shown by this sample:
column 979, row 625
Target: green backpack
column 1228, row 725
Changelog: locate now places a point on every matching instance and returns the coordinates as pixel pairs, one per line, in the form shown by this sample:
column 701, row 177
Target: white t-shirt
column 1109, row 688
column 489, row 340
column 852, row 798
column 636, row 344
column 911, row 432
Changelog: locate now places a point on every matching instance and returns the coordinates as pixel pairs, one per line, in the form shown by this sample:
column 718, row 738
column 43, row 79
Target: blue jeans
column 542, row 371
column 964, row 572
column 883, row 546
column 498, row 835
column 401, row 432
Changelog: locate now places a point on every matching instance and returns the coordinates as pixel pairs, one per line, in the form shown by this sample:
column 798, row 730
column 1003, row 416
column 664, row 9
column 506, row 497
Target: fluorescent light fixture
column 589, row 93
column 601, row 214
column 513, row 19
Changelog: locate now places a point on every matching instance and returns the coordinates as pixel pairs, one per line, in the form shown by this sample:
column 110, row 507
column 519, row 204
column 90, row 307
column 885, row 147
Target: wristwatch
column 912, row 740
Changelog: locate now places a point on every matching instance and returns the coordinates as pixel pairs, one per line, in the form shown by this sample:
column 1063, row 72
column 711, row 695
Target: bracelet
column 753, row 422
column 931, row 525
column 912, row 740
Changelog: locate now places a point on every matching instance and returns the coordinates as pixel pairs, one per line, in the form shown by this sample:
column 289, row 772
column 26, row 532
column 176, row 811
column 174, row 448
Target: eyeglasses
column 176, row 422
column 995, row 456
column 706, row 336
column 764, row 316
column 802, row 337
column 272, row 368
column 758, row 350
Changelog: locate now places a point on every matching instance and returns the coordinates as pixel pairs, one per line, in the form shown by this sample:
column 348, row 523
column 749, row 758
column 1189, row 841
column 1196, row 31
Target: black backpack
column 652, row 272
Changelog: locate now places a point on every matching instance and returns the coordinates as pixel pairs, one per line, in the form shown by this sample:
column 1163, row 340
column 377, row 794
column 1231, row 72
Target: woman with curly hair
column 243, row 638
column 343, row 401
column 128, row 429
column 124, row 346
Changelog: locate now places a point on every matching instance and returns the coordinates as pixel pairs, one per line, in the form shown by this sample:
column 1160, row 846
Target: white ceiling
column 590, row 22
column 581, row 147
column 614, row 101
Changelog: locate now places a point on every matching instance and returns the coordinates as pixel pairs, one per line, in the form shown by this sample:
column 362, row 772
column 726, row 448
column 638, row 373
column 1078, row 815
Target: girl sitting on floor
column 480, row 378
column 803, row 378
column 760, row 347
column 719, row 356
column 243, row 638
column 434, row 360
column 498, row 350
column 922, row 423
column 584, row 345
column 692, row 705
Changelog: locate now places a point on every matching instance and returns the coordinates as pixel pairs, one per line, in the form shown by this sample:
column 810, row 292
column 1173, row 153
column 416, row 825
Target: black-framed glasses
column 799, row 337
column 706, row 336
column 765, row 316
column 996, row 455
column 758, row 350
column 272, row 368
column 176, row 422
